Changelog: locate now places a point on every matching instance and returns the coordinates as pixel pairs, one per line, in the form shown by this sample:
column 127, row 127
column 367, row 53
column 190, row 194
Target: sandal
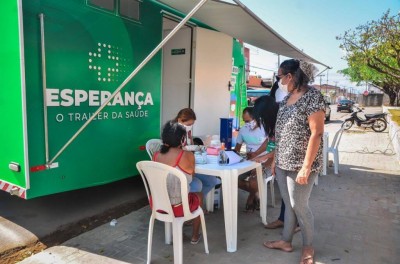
column 195, row 242
column 307, row 258
column 249, row 208
column 276, row 224
column 278, row 245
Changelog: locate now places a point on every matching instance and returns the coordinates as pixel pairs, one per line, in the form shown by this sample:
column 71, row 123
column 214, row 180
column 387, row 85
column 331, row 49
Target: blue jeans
column 195, row 186
column 208, row 182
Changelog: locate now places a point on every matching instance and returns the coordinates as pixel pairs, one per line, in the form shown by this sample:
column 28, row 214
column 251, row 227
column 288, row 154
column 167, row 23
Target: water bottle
column 204, row 155
column 270, row 146
column 221, row 155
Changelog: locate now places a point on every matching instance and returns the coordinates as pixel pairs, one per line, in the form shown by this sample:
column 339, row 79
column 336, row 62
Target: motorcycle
column 377, row 122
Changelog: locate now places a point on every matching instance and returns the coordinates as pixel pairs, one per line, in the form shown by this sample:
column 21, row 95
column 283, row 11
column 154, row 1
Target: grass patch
column 395, row 115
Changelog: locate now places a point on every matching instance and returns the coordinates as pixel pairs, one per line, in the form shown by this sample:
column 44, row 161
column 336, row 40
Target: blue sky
column 312, row 25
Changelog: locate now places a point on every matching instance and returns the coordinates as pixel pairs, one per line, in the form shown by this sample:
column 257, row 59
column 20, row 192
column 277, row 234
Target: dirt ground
column 65, row 233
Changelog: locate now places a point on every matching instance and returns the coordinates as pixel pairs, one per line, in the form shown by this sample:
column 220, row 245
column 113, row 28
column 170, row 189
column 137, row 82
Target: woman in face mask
column 298, row 153
column 253, row 137
column 186, row 118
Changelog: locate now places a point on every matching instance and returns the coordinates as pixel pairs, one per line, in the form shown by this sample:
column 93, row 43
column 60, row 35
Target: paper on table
column 229, row 157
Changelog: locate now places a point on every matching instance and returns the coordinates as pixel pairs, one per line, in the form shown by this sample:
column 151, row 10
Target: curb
column 66, row 232
column 394, row 131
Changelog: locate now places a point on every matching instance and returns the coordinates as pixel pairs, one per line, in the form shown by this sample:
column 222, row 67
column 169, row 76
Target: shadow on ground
column 356, row 221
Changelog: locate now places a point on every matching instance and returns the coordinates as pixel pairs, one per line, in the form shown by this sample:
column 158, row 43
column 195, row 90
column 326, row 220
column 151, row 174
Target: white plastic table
column 229, row 178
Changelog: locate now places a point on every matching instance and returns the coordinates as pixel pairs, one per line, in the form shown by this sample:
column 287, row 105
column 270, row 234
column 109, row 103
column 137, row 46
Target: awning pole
column 44, row 86
column 327, row 68
column 133, row 73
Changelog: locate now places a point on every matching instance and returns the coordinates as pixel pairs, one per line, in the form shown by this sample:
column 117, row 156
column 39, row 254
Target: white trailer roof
column 238, row 21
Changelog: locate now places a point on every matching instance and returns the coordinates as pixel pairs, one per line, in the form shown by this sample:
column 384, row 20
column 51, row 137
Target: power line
column 260, row 68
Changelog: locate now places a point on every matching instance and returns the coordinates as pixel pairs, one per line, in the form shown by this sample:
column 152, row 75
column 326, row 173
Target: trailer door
column 13, row 177
column 176, row 84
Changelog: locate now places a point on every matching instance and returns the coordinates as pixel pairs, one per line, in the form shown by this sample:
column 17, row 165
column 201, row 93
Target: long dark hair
column 292, row 66
column 264, row 112
column 274, row 87
column 172, row 136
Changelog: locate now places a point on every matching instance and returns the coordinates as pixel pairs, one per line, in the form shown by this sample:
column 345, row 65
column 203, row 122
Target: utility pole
column 327, row 81
column 327, row 74
column 336, row 88
column 320, row 81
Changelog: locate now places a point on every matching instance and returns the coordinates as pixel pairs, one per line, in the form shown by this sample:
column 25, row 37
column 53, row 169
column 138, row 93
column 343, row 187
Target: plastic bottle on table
column 221, row 154
column 223, row 146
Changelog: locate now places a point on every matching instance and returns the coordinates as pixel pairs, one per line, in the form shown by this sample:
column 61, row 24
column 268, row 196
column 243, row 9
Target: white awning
column 241, row 23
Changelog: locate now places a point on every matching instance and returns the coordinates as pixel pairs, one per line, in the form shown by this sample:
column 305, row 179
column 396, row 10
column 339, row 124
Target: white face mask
column 251, row 125
column 284, row 87
column 188, row 128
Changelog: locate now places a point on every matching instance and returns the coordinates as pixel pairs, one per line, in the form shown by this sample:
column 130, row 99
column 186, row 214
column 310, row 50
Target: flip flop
column 273, row 245
column 308, row 258
column 195, row 242
column 274, row 225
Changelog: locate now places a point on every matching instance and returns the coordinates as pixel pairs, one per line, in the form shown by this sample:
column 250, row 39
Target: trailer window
column 129, row 9
column 104, row 4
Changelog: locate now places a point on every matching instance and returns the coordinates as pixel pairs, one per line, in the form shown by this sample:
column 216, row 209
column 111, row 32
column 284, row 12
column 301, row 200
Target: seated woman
column 253, row 136
column 171, row 153
column 186, row 117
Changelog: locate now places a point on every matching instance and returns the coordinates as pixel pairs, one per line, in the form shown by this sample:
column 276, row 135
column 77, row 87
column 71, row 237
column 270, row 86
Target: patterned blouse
column 293, row 131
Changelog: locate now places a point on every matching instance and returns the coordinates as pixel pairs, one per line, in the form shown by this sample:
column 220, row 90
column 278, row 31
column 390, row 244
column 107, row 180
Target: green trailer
column 63, row 60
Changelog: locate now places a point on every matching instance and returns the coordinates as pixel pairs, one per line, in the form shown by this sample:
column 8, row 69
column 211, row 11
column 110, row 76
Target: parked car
column 252, row 95
column 345, row 105
column 327, row 111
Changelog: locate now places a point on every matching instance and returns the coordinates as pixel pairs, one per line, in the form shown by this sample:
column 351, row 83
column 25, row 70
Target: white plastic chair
column 334, row 149
column 154, row 176
column 271, row 181
column 152, row 146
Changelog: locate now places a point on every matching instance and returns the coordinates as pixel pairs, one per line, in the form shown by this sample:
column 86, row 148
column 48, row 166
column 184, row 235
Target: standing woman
column 298, row 153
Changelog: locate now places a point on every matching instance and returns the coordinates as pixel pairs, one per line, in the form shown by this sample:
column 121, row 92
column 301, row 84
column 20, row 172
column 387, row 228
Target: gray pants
column 296, row 198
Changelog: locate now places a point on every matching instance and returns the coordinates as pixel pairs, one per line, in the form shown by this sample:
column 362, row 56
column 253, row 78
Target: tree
column 373, row 54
